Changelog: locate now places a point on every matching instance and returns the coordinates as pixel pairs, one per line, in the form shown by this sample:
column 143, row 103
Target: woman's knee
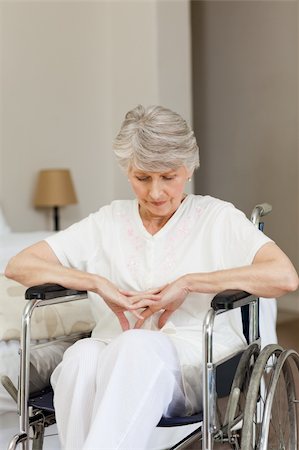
column 79, row 360
column 84, row 350
column 145, row 342
column 135, row 339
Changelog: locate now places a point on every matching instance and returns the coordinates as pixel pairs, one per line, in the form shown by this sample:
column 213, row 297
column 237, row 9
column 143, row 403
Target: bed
column 49, row 324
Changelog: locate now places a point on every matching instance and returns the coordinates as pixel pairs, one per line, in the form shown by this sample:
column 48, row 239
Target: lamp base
column 56, row 218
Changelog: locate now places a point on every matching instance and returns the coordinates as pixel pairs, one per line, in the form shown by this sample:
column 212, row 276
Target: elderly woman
column 151, row 266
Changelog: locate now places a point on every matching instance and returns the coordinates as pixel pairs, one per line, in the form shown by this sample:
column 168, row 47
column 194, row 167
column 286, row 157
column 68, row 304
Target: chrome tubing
column 23, row 396
column 16, row 440
column 209, row 382
column 260, row 211
column 253, row 321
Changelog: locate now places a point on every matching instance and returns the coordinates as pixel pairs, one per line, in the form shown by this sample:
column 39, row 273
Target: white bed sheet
column 12, row 243
column 9, row 365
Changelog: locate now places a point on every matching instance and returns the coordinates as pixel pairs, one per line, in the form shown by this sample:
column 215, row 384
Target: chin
column 164, row 210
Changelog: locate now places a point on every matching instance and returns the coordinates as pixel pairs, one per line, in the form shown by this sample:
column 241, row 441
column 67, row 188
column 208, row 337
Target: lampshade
column 55, row 188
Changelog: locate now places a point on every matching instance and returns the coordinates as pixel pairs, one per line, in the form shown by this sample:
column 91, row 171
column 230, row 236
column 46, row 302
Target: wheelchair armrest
column 231, row 299
column 225, row 300
column 50, row 291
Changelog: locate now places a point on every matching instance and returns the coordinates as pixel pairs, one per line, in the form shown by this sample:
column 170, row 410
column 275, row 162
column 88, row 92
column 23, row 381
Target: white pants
column 112, row 396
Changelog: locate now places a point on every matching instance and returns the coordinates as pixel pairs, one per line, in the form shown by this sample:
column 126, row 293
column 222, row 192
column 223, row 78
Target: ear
column 189, row 174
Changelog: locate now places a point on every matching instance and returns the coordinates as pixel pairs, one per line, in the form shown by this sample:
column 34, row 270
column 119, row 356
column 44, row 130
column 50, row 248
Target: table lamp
column 54, row 189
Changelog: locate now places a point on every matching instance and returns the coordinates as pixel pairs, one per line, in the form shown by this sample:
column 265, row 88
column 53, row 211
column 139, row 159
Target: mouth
column 157, row 204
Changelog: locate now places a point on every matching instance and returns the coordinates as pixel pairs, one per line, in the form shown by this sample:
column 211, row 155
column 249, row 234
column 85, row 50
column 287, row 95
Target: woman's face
column 159, row 193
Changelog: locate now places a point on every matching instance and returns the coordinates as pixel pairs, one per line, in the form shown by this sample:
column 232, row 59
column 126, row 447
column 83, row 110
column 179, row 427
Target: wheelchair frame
column 251, row 371
column 45, row 295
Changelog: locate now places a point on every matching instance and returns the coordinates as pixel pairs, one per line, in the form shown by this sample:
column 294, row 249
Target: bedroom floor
column 9, row 427
column 288, row 337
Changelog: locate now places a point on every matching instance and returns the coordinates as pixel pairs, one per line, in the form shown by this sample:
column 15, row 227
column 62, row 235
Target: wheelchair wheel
column 270, row 416
column 239, row 391
column 280, row 421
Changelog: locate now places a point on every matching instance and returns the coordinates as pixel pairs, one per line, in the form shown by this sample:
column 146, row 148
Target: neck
column 153, row 223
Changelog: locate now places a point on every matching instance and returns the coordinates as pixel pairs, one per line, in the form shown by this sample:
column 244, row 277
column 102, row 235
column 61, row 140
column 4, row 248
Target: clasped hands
column 144, row 304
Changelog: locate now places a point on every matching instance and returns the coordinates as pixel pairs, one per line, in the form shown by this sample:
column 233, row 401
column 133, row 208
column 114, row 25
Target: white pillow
column 47, row 322
column 4, row 228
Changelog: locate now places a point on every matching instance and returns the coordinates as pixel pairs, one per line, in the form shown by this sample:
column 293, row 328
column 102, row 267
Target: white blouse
column 204, row 234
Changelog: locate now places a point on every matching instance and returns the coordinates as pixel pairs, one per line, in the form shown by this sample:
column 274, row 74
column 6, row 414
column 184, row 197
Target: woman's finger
column 144, row 304
column 164, row 317
column 144, row 315
column 137, row 314
column 150, row 298
column 124, row 323
column 148, row 291
column 140, row 301
column 127, row 293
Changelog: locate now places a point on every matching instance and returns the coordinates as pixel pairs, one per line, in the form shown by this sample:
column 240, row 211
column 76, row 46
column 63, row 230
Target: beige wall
column 246, row 109
column 69, row 72
column 53, row 91
column 1, row 112
column 246, row 95
column 1, row 116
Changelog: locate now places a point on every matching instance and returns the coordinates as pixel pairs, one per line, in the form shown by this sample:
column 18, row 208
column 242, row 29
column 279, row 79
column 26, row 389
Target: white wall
column 69, row 72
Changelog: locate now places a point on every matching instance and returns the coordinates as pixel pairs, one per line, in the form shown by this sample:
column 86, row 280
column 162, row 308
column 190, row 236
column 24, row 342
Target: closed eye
column 168, row 178
column 147, row 178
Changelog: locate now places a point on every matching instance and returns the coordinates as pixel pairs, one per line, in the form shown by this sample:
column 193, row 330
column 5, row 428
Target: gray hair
column 155, row 139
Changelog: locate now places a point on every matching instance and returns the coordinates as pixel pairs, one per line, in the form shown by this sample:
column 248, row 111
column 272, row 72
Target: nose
column 155, row 190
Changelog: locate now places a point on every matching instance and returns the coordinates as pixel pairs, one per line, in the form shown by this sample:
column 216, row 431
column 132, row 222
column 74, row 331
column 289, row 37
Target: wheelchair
column 249, row 399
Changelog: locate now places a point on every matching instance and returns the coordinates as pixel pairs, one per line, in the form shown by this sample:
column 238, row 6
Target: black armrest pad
column 231, row 299
column 48, row 291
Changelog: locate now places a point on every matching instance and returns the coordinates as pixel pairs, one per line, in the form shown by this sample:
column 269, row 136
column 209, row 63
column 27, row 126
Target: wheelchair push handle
column 259, row 211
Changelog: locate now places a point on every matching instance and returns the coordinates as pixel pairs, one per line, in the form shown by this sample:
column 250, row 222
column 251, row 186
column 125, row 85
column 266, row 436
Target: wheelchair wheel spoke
column 270, row 415
column 275, row 413
column 280, row 432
